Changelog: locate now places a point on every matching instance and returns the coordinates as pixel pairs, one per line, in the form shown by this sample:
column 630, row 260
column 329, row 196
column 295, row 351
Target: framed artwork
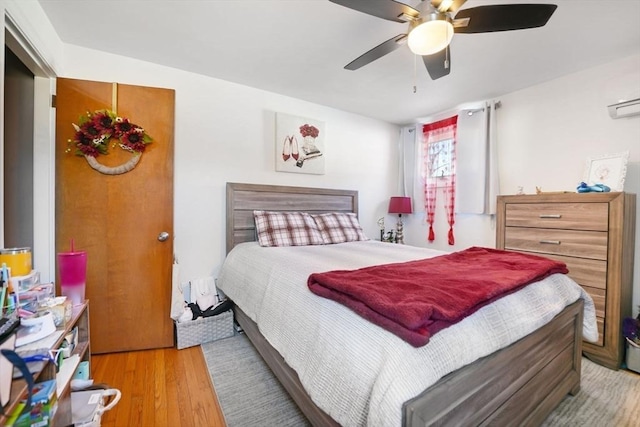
column 299, row 144
column 609, row 170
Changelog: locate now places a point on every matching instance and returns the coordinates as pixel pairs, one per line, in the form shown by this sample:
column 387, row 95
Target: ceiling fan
column 433, row 23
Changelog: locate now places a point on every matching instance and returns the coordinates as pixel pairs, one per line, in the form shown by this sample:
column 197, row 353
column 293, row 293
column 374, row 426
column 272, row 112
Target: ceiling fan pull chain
column 446, row 59
column 415, row 66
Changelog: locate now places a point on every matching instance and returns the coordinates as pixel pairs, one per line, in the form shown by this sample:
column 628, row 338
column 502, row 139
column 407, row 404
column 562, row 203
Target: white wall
column 225, row 133
column 545, row 135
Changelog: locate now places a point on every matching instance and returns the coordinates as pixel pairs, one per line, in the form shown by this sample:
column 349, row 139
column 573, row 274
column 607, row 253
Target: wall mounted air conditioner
column 624, row 109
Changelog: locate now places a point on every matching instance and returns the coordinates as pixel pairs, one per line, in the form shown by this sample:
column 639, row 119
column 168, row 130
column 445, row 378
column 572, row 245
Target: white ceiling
column 299, row 48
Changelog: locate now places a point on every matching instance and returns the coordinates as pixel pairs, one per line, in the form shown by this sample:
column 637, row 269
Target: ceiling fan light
column 430, row 37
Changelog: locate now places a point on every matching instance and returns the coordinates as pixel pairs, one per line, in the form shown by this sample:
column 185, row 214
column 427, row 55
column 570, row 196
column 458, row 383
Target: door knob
column 163, row 236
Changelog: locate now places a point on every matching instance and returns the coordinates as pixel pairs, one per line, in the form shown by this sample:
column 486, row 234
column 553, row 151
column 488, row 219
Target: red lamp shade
column 400, row 205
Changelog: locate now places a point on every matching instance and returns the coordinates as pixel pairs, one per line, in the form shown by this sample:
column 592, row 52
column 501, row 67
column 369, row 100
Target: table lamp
column 400, row 205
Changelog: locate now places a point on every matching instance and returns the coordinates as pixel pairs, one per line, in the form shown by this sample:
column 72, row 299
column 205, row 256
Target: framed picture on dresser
column 609, row 169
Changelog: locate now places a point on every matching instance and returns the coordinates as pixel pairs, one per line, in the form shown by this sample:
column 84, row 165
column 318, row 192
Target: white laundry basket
column 87, row 406
column 204, row 329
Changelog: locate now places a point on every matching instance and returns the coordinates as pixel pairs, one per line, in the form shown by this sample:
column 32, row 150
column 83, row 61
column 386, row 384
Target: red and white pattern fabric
column 339, row 227
column 286, row 229
column 449, row 207
column 433, row 133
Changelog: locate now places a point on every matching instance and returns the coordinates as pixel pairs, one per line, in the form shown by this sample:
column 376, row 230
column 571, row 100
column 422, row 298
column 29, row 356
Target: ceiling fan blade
column 377, row 52
column 448, row 5
column 504, row 17
column 439, row 64
column 385, row 9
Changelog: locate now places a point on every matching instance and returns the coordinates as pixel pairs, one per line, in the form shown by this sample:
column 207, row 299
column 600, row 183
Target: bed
column 519, row 384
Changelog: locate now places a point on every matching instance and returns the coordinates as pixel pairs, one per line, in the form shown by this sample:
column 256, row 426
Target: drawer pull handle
column 550, row 242
column 550, row 216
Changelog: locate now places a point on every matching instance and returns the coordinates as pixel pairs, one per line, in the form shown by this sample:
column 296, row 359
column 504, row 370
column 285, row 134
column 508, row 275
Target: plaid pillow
column 286, row 229
column 339, row 227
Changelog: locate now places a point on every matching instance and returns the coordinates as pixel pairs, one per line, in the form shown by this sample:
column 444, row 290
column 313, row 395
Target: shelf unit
column 82, row 352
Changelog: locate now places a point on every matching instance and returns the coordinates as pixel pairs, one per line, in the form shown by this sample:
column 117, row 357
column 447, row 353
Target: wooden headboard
column 243, row 199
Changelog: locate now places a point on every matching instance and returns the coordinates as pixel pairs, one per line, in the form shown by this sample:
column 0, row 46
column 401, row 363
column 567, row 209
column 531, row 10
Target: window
column 441, row 158
column 439, row 170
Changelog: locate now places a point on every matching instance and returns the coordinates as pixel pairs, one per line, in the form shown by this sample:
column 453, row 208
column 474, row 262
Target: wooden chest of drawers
column 594, row 234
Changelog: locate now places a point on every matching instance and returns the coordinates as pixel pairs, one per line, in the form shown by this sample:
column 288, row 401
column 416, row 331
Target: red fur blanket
column 416, row 299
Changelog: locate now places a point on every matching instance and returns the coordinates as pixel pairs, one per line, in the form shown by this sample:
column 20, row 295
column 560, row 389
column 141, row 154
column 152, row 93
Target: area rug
column 607, row 398
column 250, row 395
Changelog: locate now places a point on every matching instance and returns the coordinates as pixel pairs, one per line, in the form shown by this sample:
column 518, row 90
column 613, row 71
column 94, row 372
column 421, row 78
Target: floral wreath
column 95, row 130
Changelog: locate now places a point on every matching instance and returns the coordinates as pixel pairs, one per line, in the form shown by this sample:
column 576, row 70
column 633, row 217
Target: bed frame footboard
column 518, row 385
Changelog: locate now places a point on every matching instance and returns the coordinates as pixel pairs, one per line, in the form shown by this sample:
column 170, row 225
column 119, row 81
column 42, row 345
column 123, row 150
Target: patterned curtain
column 439, row 140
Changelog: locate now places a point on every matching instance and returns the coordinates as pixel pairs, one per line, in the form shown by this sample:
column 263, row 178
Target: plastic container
column 18, row 259
column 633, row 358
column 72, row 267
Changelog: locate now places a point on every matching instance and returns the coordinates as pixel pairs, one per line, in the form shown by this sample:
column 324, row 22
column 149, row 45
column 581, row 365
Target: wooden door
column 117, row 219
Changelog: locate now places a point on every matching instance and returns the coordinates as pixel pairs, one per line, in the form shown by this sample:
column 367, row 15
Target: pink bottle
column 72, row 267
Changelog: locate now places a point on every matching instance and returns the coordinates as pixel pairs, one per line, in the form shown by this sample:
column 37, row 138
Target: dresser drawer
column 600, row 341
column 599, row 300
column 587, row 272
column 573, row 216
column 584, row 244
column 591, row 275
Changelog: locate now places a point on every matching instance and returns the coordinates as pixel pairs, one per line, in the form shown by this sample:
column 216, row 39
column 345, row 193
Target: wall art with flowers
column 299, row 144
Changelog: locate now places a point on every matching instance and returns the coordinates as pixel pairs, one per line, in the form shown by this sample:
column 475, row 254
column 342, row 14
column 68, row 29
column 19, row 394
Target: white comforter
column 357, row 372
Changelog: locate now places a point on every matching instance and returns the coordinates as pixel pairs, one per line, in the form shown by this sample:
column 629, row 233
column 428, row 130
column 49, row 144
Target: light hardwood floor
column 162, row 387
